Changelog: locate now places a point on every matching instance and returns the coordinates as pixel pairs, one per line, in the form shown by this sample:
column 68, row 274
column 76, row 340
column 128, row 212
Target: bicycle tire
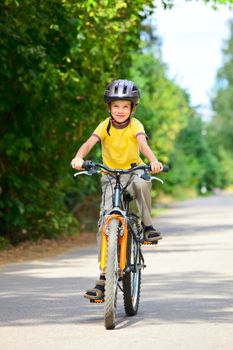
column 132, row 279
column 111, row 276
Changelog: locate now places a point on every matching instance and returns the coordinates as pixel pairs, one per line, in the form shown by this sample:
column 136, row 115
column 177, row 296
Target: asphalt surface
column 186, row 301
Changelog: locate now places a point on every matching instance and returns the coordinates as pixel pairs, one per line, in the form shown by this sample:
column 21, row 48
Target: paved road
column 187, row 292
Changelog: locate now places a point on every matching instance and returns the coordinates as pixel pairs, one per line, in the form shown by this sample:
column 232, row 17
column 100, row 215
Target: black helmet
column 122, row 90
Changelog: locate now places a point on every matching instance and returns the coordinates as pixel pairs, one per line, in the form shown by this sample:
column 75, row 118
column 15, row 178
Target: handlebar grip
column 88, row 164
column 165, row 168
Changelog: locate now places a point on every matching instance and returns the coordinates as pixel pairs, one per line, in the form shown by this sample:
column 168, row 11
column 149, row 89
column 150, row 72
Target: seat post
column 127, row 199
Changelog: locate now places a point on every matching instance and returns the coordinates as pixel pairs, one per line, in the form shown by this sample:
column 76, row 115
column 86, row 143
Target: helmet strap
column 115, row 122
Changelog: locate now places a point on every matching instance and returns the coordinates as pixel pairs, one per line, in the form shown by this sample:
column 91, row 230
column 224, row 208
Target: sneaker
column 151, row 234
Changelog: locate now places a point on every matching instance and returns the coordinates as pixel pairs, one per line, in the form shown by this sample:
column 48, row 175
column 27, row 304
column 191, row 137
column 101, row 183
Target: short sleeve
column 100, row 131
column 138, row 128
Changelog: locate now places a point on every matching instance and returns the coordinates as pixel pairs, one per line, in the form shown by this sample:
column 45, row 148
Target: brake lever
column 81, row 173
column 157, row 178
column 147, row 177
column 87, row 172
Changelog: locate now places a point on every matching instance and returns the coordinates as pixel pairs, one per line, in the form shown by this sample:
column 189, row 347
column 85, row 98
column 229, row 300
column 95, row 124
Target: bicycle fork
column 122, row 239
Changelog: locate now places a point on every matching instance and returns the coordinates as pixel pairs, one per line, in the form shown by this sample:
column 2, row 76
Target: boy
column 122, row 138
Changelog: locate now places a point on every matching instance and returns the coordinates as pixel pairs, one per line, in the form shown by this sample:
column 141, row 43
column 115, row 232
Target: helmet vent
column 122, row 89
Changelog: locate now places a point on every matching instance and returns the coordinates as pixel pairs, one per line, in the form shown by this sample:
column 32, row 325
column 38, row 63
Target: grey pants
column 138, row 188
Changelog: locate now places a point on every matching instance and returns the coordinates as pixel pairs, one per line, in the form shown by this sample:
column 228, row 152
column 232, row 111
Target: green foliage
column 223, row 102
column 56, row 57
column 193, row 162
column 4, row 243
column 164, row 106
column 176, row 132
column 221, row 126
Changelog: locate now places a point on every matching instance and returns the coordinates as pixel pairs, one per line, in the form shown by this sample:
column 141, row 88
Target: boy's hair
column 122, row 90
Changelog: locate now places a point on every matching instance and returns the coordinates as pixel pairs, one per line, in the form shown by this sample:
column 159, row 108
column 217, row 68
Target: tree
column 56, row 57
column 221, row 126
column 164, row 106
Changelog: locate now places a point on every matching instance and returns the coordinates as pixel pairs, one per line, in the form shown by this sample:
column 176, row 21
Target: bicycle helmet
column 122, row 90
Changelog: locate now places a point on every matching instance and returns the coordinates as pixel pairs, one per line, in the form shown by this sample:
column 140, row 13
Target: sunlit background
column 193, row 34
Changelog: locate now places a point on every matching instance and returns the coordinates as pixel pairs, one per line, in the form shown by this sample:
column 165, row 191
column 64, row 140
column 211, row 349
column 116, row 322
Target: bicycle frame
column 116, row 213
column 121, row 258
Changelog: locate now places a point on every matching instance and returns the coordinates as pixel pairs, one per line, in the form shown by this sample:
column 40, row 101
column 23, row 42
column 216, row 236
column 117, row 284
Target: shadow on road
column 188, row 298
column 171, row 298
column 194, row 285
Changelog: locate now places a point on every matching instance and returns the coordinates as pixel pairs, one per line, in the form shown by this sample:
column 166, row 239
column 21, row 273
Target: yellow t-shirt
column 120, row 148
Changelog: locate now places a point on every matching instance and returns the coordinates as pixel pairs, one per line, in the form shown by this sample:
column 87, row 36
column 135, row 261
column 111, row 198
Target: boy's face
column 120, row 110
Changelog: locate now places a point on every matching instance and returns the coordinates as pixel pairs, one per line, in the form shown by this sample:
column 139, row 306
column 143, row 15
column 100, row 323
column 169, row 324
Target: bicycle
column 121, row 258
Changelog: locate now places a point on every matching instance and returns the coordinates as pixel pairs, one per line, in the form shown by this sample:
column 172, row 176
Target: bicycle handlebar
column 89, row 165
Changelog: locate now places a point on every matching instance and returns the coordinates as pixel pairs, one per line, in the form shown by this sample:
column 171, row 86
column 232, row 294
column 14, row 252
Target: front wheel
column 132, row 278
column 111, row 275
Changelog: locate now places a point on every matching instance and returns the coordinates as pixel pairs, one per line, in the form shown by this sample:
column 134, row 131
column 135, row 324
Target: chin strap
column 111, row 119
column 120, row 123
column 108, row 127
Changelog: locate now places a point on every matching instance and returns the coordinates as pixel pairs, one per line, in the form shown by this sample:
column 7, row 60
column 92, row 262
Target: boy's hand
column 156, row 167
column 77, row 163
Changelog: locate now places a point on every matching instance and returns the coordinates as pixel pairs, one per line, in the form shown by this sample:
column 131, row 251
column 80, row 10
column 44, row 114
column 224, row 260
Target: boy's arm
column 144, row 148
column 77, row 162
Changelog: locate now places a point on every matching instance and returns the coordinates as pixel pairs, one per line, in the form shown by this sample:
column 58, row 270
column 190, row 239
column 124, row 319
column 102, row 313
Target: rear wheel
column 132, row 278
column 111, row 276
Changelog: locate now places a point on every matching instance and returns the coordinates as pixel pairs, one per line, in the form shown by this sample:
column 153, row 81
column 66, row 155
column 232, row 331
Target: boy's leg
column 107, row 185
column 138, row 188
column 141, row 191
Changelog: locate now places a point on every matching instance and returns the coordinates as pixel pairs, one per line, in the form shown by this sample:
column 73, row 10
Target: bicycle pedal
column 97, row 301
column 150, row 243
